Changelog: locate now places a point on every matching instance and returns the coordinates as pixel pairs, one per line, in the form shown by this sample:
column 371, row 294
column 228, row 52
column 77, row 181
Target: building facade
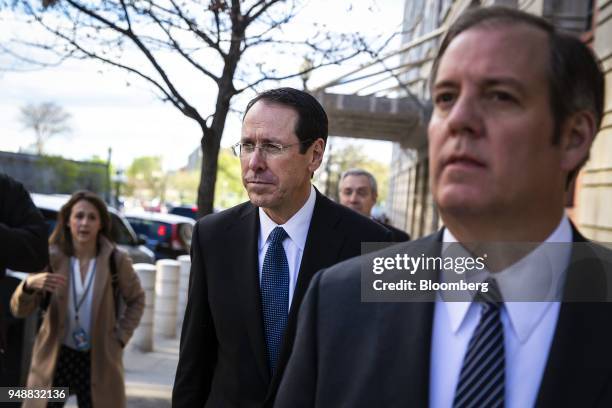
column 410, row 203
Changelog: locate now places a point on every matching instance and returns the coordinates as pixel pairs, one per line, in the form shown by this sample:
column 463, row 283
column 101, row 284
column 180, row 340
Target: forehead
column 355, row 181
column 84, row 206
column 270, row 121
column 518, row 52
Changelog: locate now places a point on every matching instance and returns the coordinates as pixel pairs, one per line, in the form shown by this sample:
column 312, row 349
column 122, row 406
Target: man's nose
column 257, row 160
column 465, row 116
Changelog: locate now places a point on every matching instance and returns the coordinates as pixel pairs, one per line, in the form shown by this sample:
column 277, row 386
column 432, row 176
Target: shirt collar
column 524, row 316
column 296, row 227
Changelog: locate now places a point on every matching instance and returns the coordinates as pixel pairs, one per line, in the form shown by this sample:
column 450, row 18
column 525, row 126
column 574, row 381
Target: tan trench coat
column 107, row 383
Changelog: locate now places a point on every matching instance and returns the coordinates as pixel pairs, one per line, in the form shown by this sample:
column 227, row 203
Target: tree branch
column 176, row 46
column 187, row 109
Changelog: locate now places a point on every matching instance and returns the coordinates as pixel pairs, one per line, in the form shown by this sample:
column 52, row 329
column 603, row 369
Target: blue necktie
column 482, row 379
column 275, row 294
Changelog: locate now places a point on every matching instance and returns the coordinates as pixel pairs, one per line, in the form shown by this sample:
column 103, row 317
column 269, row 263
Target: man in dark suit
column 251, row 264
column 23, row 248
column 517, row 106
column 358, row 191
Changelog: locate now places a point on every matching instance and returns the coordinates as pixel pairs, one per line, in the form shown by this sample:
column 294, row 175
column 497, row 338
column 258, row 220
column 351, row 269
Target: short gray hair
column 361, row 172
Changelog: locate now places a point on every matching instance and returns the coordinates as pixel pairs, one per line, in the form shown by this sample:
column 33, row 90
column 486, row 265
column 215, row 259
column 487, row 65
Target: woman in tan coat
column 80, row 343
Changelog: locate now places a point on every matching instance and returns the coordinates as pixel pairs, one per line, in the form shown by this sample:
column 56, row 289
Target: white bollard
column 185, row 266
column 143, row 335
column 166, row 297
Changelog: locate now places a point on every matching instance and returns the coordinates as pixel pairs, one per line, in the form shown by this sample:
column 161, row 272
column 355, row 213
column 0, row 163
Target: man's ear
column 577, row 136
column 318, row 148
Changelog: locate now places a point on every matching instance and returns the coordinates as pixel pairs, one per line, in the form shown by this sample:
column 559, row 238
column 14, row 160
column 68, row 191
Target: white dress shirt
column 528, row 328
column 85, row 308
column 297, row 230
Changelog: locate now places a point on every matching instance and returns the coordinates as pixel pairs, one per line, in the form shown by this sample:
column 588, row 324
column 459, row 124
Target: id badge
column 81, row 340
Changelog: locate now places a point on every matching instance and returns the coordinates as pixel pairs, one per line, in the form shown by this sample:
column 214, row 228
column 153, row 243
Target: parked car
column 167, row 235
column 121, row 231
column 189, row 211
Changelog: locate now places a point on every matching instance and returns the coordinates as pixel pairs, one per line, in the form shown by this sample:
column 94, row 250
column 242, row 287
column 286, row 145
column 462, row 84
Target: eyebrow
column 248, row 139
column 487, row 82
column 505, row 81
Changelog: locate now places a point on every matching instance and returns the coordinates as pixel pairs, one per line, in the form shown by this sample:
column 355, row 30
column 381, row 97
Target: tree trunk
column 210, row 145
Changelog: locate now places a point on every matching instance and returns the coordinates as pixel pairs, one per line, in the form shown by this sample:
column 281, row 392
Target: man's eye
column 501, row 96
column 271, row 148
column 248, row 147
column 444, row 98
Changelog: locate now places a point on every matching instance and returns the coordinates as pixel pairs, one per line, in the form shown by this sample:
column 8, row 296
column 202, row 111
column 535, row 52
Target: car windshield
column 120, row 232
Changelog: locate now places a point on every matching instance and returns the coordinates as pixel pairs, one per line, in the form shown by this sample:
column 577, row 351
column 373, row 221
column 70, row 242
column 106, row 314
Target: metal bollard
column 166, row 297
column 143, row 335
column 185, row 266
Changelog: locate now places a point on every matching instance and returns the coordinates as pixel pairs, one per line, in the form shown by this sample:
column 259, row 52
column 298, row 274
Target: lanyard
column 77, row 306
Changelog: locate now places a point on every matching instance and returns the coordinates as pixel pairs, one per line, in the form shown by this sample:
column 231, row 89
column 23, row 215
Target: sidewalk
column 148, row 376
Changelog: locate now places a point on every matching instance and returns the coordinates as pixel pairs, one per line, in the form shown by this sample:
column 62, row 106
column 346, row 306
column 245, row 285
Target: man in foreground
column 251, row 264
column 516, row 108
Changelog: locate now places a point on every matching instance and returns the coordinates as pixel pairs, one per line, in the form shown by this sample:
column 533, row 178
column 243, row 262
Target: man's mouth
column 256, row 181
column 464, row 161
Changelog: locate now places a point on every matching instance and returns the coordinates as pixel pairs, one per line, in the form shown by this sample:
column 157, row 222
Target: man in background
column 252, row 263
column 358, row 191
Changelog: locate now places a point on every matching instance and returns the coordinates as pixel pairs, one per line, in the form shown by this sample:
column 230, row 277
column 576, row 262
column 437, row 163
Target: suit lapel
column 578, row 363
column 246, row 230
column 322, row 249
column 412, row 322
column 416, row 324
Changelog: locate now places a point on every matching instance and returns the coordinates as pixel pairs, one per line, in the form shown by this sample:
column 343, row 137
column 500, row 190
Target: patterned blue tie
column 275, row 294
column 482, row 379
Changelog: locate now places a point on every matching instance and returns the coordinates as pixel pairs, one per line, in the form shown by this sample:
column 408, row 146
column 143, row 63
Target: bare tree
column 46, row 119
column 232, row 45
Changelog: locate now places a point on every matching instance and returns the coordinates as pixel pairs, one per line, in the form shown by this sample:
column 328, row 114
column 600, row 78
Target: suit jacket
column 222, row 359
column 398, row 234
column 354, row 354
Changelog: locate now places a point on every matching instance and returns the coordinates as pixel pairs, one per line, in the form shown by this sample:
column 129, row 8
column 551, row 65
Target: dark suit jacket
column 223, row 352
column 353, row 354
column 397, row 234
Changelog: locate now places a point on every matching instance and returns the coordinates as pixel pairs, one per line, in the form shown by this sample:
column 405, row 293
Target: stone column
column 143, row 335
column 166, row 297
column 185, row 266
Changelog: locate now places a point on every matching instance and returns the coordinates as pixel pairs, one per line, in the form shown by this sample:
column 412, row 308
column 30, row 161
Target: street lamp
column 118, row 178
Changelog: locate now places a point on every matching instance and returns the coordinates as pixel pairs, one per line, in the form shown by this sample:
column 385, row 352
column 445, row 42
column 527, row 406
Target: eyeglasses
column 266, row 149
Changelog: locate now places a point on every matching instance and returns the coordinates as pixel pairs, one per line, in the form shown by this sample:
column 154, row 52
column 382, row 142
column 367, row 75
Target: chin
column 461, row 201
column 262, row 200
